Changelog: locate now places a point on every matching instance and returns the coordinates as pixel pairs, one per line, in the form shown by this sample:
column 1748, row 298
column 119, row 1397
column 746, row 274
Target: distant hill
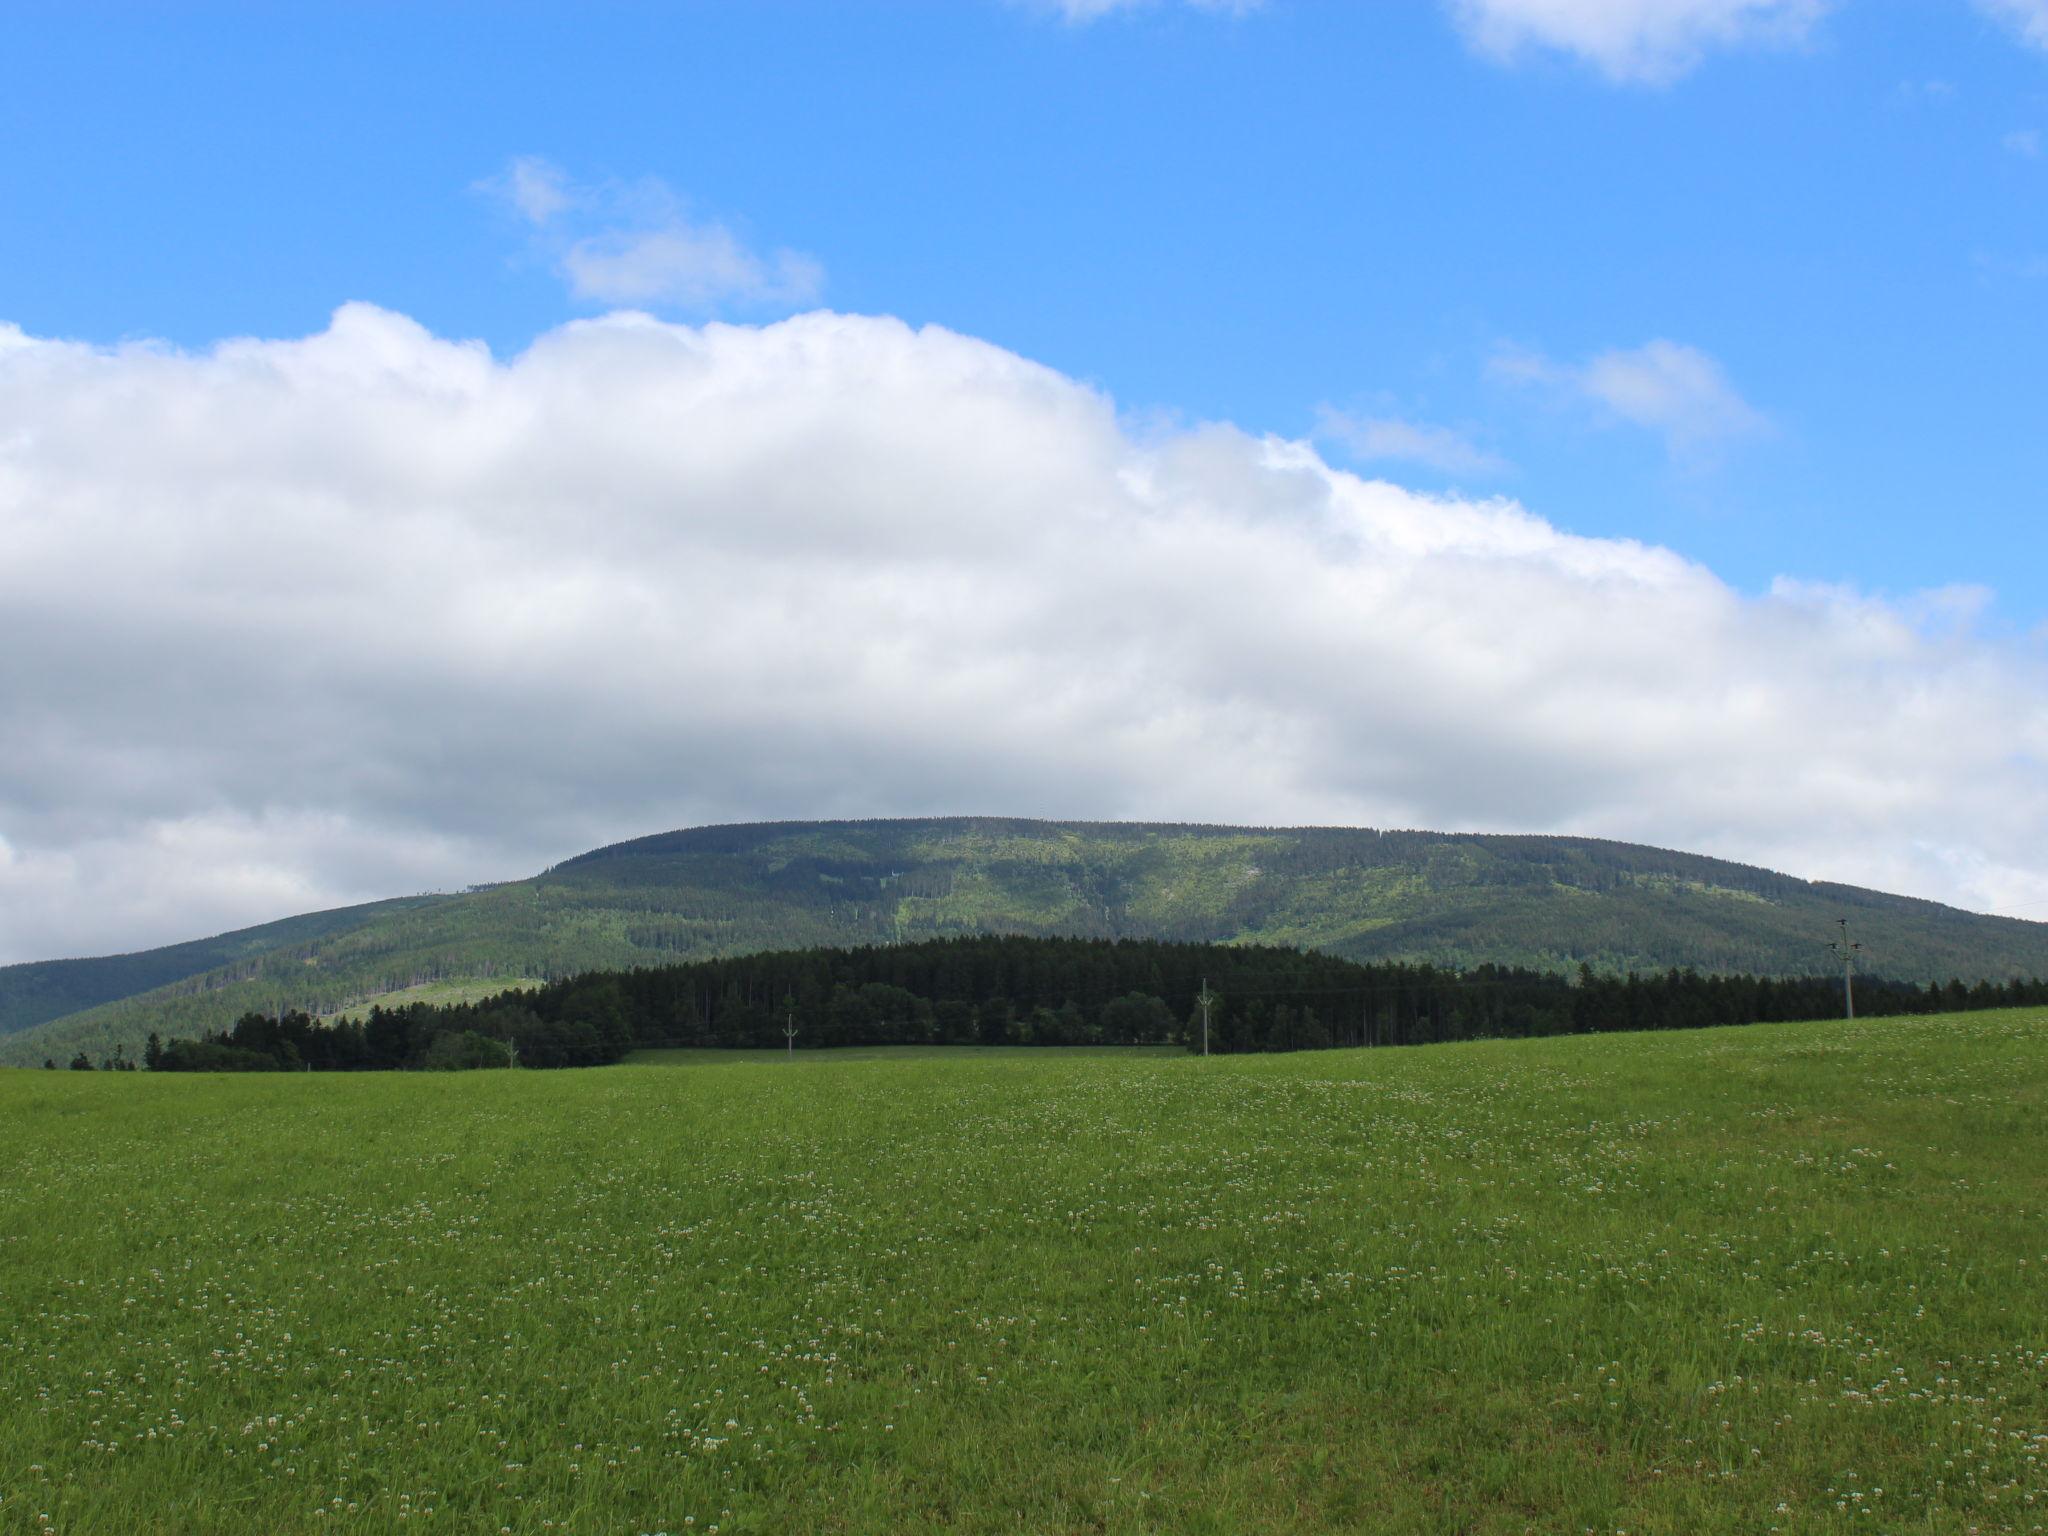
column 48, row 989
column 1454, row 899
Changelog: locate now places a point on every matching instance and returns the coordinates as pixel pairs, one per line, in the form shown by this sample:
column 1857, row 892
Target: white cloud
column 287, row 623
column 2028, row 19
column 1370, row 439
column 1938, row 92
column 635, row 243
column 1647, row 42
column 2025, row 142
column 537, row 189
column 1082, row 11
column 694, row 268
column 1674, row 390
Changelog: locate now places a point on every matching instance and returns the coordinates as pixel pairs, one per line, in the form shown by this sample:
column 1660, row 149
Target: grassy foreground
column 1790, row 1278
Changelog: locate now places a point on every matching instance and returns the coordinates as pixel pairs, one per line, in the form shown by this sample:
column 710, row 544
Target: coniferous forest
column 1035, row 991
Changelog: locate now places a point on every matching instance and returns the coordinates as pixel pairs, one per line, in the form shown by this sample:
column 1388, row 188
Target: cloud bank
column 290, row 623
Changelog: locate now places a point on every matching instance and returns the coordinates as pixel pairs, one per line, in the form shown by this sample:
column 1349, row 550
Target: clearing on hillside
column 1788, row 1278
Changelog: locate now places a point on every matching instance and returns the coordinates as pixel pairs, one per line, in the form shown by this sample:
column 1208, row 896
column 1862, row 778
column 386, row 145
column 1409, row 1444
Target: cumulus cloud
column 2024, row 142
column 288, row 623
column 1676, row 391
column 636, row 243
column 2027, row 19
column 1646, row 42
column 1389, row 439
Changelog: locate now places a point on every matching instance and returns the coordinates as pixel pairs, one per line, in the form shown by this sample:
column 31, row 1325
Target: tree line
column 1032, row 991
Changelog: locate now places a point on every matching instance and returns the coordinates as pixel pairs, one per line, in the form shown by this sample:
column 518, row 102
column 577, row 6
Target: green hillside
column 41, row 990
column 1450, row 898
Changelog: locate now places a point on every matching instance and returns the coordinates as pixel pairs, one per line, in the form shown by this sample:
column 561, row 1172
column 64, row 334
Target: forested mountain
column 41, row 990
column 1452, row 900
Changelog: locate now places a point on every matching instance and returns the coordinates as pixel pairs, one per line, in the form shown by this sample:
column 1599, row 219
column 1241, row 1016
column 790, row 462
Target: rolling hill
column 1450, row 898
column 48, row 989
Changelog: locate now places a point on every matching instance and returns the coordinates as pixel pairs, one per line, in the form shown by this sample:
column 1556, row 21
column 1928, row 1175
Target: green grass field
column 440, row 994
column 1789, row 1278
column 983, row 1054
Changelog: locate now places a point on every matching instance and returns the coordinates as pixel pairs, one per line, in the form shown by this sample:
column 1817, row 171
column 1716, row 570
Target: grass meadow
column 1786, row 1278
column 440, row 994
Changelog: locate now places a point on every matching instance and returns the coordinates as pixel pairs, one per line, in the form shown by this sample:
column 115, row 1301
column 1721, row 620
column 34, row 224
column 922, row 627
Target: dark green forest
column 1037, row 992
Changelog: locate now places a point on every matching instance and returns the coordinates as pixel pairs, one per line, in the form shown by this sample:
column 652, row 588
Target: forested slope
column 1450, row 899
column 41, row 990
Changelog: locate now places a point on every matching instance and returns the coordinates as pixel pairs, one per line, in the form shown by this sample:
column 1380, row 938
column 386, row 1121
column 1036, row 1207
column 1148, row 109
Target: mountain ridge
column 1451, row 898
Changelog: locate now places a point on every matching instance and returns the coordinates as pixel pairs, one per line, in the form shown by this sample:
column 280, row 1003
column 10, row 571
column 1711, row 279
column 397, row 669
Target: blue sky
column 1245, row 216
column 437, row 439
